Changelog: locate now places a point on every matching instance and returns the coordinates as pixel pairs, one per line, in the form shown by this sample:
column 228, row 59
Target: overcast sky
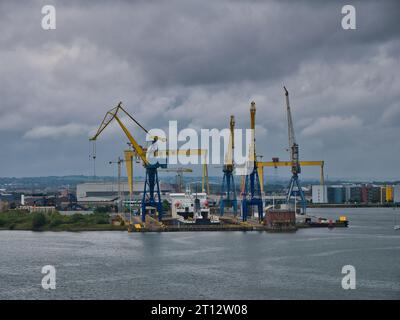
column 197, row 62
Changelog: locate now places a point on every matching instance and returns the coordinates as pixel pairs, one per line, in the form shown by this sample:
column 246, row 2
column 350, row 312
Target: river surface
column 208, row 265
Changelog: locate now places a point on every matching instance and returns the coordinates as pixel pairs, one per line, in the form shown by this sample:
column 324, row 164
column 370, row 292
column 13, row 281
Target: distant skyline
column 198, row 62
column 166, row 177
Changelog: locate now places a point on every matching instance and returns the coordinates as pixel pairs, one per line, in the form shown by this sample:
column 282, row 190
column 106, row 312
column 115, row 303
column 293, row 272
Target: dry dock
column 227, row 223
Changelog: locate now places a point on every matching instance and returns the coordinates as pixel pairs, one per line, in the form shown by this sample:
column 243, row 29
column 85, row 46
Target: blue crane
column 251, row 195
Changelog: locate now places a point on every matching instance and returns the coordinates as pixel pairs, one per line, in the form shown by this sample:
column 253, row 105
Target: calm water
column 208, row 265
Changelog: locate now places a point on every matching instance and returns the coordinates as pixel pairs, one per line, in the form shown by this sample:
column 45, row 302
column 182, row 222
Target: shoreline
column 77, row 229
column 92, row 223
column 226, row 228
column 351, row 206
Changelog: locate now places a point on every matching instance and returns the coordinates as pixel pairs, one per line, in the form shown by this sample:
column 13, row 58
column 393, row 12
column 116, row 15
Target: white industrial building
column 319, row 194
column 107, row 192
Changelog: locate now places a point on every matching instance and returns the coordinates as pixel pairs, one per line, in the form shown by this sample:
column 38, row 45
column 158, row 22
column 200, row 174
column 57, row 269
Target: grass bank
column 21, row 220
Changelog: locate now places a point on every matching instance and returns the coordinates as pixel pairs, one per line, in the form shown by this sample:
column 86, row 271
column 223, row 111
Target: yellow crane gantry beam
column 179, row 175
column 275, row 164
column 130, row 154
column 205, row 186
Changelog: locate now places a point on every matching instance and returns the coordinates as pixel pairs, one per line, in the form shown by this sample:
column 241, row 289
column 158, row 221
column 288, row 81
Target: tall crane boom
column 292, row 139
column 113, row 114
column 293, row 146
column 294, row 157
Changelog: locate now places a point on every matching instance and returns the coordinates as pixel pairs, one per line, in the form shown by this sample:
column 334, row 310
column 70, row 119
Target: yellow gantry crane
column 151, row 193
column 275, row 164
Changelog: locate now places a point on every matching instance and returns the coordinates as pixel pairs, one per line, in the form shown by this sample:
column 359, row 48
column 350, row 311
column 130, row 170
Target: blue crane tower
column 228, row 189
column 294, row 158
column 251, row 195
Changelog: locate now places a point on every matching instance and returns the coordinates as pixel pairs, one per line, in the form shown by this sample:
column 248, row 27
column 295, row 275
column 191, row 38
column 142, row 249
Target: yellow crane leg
column 129, row 170
column 260, row 171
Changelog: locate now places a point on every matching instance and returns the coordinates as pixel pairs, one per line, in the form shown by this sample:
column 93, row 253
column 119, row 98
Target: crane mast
column 294, row 158
column 251, row 196
column 293, row 146
column 253, row 131
column 231, row 145
column 228, row 190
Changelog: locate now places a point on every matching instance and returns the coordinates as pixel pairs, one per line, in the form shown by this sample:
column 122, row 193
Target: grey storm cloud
column 197, row 62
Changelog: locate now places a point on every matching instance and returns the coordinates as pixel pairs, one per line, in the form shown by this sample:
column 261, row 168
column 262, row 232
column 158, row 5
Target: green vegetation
column 165, row 205
column 38, row 221
column 21, row 220
column 102, row 209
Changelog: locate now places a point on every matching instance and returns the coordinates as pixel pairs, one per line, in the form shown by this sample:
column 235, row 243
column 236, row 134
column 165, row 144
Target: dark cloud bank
column 198, row 62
